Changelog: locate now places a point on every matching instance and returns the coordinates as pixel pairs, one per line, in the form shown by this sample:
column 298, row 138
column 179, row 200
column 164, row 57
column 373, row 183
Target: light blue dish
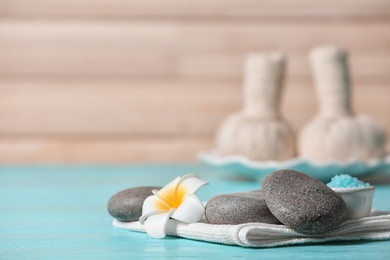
column 256, row 170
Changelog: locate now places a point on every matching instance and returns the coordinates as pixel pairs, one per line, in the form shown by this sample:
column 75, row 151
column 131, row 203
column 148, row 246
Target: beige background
column 100, row 81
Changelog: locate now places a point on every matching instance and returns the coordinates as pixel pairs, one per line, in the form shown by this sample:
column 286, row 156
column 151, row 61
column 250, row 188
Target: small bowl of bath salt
column 356, row 194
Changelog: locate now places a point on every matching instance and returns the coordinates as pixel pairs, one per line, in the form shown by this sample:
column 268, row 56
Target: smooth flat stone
column 239, row 208
column 303, row 203
column 126, row 205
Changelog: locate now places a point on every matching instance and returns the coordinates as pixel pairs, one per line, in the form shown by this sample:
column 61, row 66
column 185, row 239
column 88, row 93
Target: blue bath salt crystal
column 346, row 181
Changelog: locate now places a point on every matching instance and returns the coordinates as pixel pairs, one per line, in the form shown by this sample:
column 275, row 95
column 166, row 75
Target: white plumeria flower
column 176, row 200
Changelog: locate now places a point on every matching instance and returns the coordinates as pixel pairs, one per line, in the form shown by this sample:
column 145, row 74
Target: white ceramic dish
column 358, row 200
column 241, row 165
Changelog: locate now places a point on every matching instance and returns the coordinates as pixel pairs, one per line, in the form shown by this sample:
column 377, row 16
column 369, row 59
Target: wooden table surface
column 59, row 212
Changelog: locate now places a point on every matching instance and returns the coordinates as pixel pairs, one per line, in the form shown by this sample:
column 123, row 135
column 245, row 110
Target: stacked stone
column 288, row 197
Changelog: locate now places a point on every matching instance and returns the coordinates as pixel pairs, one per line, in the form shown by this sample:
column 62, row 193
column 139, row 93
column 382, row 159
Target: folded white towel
column 374, row 227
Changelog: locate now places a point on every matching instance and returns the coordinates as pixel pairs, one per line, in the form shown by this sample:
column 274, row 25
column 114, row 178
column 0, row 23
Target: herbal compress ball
column 336, row 133
column 258, row 132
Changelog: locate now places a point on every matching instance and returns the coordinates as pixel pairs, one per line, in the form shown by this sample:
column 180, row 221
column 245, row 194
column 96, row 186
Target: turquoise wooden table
column 59, row 212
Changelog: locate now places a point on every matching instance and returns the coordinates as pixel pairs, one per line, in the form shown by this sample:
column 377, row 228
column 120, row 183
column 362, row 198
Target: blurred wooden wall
column 107, row 81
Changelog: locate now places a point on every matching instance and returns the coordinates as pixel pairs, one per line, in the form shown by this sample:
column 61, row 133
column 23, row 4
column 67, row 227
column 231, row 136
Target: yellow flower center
column 171, row 199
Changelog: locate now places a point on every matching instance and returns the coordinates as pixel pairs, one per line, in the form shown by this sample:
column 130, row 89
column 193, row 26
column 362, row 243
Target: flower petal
column 150, row 213
column 169, row 188
column 154, row 203
column 190, row 183
column 191, row 210
column 155, row 225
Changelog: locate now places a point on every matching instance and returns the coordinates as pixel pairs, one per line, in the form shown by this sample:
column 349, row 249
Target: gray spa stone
column 303, row 203
column 126, row 205
column 239, row 208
